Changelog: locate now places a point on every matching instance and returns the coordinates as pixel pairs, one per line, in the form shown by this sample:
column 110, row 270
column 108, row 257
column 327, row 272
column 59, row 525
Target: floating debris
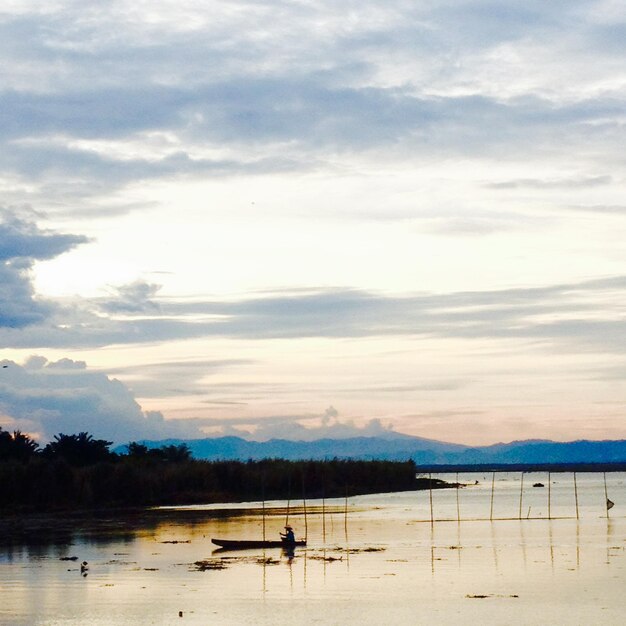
column 357, row 550
column 329, row 559
column 68, row 558
column 177, row 541
column 208, row 564
column 491, row 595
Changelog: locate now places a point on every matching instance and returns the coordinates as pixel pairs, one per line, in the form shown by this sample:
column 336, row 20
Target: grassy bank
column 46, row 485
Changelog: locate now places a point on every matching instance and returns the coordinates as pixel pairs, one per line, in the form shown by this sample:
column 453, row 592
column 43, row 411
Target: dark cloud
column 575, row 316
column 136, row 297
column 21, row 244
column 307, row 115
column 23, row 241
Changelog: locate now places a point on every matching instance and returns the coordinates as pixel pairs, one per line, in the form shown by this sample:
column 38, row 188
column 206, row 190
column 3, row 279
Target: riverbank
column 126, row 483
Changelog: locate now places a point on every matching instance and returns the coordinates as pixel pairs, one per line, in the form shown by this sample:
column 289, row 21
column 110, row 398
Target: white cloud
column 64, row 396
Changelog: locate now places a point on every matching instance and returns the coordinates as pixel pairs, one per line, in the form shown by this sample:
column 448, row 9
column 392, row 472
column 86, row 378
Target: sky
column 304, row 219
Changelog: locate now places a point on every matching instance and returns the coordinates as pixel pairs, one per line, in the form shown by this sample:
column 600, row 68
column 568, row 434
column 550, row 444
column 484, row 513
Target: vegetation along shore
column 75, row 472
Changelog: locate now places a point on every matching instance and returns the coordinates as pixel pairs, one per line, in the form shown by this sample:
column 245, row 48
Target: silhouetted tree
column 17, row 446
column 79, row 450
column 137, row 450
column 173, row 454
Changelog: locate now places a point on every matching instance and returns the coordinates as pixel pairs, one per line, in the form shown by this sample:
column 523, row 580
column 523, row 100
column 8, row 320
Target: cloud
column 574, row 316
column 49, row 397
column 96, row 98
column 136, row 297
column 156, row 380
column 336, row 429
column 304, row 427
column 559, row 183
column 46, row 398
column 601, row 209
column 21, row 244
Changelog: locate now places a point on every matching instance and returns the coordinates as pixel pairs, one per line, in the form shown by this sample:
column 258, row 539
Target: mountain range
column 403, row 447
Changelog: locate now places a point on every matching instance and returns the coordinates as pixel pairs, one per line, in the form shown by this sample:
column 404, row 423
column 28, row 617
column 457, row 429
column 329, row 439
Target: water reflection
column 364, row 560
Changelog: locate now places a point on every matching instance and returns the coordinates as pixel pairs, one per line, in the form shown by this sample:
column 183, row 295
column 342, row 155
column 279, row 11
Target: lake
column 372, row 559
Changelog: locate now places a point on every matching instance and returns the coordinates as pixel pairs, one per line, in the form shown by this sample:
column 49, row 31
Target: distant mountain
column 422, row 451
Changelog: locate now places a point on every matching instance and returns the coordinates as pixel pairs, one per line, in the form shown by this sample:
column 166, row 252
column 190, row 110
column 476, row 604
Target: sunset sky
column 306, row 219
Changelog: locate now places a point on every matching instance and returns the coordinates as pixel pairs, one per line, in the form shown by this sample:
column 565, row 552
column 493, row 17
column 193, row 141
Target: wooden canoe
column 243, row 544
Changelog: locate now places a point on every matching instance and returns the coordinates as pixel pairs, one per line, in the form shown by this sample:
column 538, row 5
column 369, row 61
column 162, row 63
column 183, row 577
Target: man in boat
column 288, row 536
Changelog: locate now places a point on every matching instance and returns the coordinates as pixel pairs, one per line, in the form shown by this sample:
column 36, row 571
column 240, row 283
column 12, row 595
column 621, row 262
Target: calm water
column 387, row 564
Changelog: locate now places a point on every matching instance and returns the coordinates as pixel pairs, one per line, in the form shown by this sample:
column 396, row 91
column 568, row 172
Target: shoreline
column 617, row 466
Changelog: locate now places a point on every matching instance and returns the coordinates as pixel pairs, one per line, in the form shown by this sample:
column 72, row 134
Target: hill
column 422, row 451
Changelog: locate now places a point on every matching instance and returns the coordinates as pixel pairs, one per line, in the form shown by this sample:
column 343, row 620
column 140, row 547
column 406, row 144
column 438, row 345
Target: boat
column 243, row 544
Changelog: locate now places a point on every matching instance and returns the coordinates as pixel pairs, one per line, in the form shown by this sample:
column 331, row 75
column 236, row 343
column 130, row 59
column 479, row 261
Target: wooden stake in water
column 288, row 500
column 263, row 496
column 576, row 495
column 521, row 495
column 324, row 515
column 345, row 516
column 430, row 494
column 607, row 502
column 493, row 485
column 549, row 497
column 306, row 525
column 458, row 510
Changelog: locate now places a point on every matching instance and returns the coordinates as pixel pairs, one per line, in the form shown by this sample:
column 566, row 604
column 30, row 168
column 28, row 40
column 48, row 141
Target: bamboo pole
column 521, row 495
column 324, row 515
column 263, row 496
column 606, row 496
column 430, row 495
column 576, row 495
column 458, row 510
column 288, row 500
column 549, row 496
column 493, row 486
column 345, row 515
column 306, row 525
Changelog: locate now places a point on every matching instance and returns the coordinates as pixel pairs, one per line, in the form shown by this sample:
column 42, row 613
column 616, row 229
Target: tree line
column 80, row 472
